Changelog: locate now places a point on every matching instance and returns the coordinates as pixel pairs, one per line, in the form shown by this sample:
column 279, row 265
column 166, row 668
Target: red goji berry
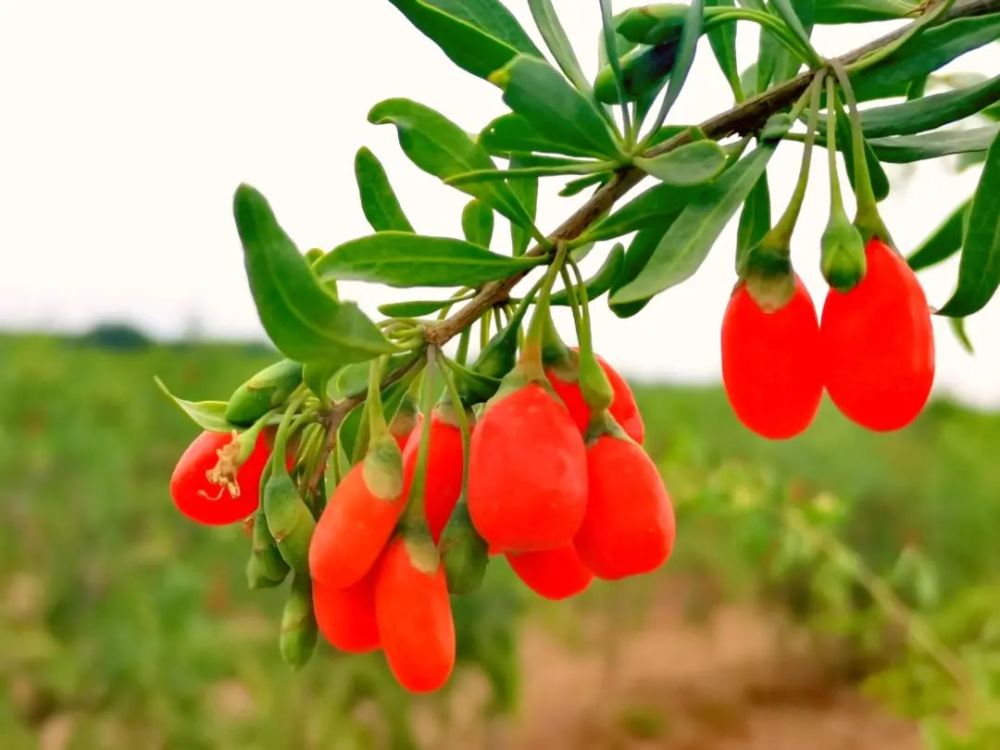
column 629, row 525
column 346, row 616
column 878, row 344
column 413, row 612
column 771, row 363
column 206, row 502
column 444, row 468
column 356, row 523
column 623, row 408
column 554, row 574
column 527, row 472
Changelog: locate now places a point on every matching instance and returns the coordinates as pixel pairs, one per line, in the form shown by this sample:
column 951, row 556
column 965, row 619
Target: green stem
column 462, row 355
column 462, row 418
column 277, row 459
column 376, row 414
column 912, row 30
column 414, row 518
column 531, row 352
column 836, row 198
column 867, row 218
column 766, row 21
column 782, row 231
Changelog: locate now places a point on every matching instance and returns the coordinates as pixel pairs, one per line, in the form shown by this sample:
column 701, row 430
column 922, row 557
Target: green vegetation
column 117, row 611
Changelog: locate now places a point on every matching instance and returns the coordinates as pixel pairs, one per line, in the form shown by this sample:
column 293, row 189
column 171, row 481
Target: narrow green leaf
column 958, row 328
column 378, row 199
column 577, row 186
column 209, row 415
column 479, row 36
column 558, row 43
column 640, row 250
column 723, row 40
column 692, row 164
column 686, row 49
column 903, row 149
column 473, row 387
column 536, row 91
column 566, row 167
column 299, row 315
column 686, row 244
column 477, row 223
column 788, row 64
column 656, row 206
column 407, row 260
column 979, row 271
column 438, row 146
column 414, row 308
column 526, row 190
column 601, row 281
column 755, row 219
column 511, row 133
column 876, row 173
column 930, row 112
column 863, row 11
column 925, row 53
column 943, row 242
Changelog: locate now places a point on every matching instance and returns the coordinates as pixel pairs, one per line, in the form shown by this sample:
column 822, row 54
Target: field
column 839, row 590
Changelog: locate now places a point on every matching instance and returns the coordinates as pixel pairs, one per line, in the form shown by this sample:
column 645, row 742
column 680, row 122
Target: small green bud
column 843, row 255
column 289, row 520
column 463, row 552
column 298, row 624
column 266, row 567
column 264, row 391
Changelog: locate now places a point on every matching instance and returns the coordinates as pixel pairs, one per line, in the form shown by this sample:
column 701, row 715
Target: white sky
column 127, row 125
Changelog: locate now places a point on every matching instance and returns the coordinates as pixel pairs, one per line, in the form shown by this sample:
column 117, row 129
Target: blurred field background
column 837, row 591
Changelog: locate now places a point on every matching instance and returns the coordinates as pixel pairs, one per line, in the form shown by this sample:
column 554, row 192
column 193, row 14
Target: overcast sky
column 127, row 125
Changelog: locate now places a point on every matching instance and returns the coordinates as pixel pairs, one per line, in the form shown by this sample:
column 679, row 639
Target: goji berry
column 624, row 408
column 629, row 525
column 554, row 574
column 359, row 518
column 346, row 616
column 204, row 501
column 413, row 613
column 444, row 469
column 877, row 344
column 771, row 363
column 527, row 472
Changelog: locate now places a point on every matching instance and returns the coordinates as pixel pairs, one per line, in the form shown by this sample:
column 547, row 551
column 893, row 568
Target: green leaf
column 558, row 43
column 862, row 11
column 903, row 149
column 577, row 186
column 691, row 164
column 477, row 223
column 801, row 13
column 526, row 190
column 655, row 207
column 209, row 415
column 686, row 244
column 407, row 260
column 686, row 49
column 558, row 168
column 723, row 40
column 378, row 199
column 639, row 252
column 958, row 328
column 415, row 308
column 927, row 113
column 438, row 146
column 511, row 133
column 944, row 241
column 473, row 387
column 755, row 219
column 923, row 54
column 876, row 173
column 299, row 315
column 536, row 91
column 600, row 282
column 479, row 36
column 317, row 375
column 979, row 271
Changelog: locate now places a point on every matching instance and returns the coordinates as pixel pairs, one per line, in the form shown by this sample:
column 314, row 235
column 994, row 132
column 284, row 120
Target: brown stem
column 746, row 117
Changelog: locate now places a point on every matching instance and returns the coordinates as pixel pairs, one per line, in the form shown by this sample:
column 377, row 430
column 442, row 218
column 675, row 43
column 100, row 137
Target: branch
column 747, row 117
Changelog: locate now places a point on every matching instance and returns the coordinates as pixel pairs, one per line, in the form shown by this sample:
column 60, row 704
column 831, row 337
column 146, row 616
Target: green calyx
column 383, row 467
column 266, row 390
column 298, row 624
column 420, row 547
column 594, row 384
column 843, row 254
column 602, row 423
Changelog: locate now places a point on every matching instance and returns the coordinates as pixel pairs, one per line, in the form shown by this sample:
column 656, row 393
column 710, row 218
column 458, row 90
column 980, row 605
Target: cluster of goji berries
column 564, row 494
column 872, row 350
